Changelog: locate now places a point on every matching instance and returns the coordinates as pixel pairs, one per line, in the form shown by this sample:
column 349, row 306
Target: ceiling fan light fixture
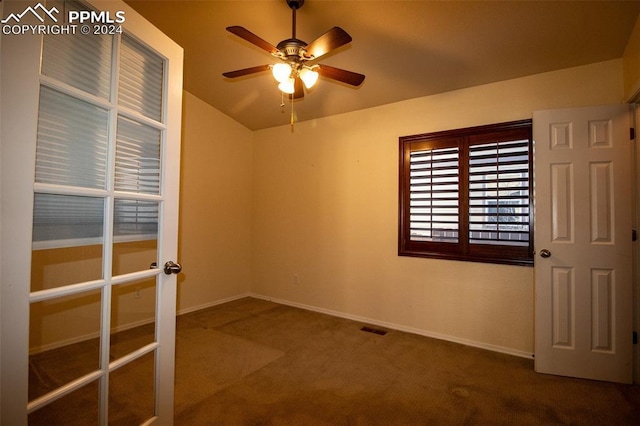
column 308, row 77
column 295, row 73
column 287, row 86
column 281, row 72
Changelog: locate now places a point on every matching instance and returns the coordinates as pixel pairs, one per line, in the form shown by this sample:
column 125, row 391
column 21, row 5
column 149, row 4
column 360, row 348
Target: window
column 467, row 194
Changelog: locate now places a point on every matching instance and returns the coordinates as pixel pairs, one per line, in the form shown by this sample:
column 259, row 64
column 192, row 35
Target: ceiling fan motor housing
column 291, row 48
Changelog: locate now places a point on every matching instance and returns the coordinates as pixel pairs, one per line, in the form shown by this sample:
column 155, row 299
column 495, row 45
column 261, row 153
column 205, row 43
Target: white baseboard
column 392, row 326
column 398, row 327
column 212, row 304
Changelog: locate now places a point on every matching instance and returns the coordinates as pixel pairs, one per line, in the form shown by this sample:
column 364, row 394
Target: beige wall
column 325, row 210
column 631, row 61
column 215, row 207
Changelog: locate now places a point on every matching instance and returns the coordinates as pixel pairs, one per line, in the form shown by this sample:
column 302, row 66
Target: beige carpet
column 253, row 362
column 332, row 373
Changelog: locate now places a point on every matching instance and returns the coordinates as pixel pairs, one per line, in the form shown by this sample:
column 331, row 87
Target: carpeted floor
column 254, row 362
column 329, row 372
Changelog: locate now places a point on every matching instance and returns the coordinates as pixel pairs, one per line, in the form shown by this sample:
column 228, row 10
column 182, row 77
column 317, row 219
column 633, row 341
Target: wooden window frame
column 463, row 249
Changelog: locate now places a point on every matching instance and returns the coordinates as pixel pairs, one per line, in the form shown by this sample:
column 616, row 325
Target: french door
column 89, row 184
column 583, row 239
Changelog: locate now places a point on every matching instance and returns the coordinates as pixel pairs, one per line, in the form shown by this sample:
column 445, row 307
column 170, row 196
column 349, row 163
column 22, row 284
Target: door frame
column 635, row 170
column 634, row 101
column 17, row 167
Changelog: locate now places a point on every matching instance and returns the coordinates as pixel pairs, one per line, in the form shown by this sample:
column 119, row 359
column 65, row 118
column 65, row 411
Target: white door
column 583, row 242
column 90, row 145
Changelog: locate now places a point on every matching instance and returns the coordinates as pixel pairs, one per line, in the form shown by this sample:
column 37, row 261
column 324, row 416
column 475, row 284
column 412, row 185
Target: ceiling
column 406, row 49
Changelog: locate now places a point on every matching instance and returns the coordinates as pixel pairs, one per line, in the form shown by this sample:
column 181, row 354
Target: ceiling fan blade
column 328, row 41
column 344, row 76
column 252, row 38
column 298, row 87
column 245, row 71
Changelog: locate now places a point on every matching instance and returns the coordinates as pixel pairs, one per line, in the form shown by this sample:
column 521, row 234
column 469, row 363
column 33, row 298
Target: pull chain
column 292, row 120
column 292, row 113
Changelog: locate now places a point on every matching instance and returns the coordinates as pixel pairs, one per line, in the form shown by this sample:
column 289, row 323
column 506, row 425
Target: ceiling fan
column 297, row 68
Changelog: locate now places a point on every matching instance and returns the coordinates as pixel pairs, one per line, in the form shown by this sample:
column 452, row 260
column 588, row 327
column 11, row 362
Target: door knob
column 545, row 253
column 172, row 268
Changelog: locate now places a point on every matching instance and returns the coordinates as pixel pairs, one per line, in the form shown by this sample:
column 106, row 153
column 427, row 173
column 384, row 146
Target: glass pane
column 135, row 236
column 79, row 408
column 133, row 316
column 57, row 267
column 132, row 256
column 67, row 220
column 141, row 79
column 137, row 157
column 63, row 341
column 72, row 141
column 67, row 240
column 131, row 392
column 81, row 61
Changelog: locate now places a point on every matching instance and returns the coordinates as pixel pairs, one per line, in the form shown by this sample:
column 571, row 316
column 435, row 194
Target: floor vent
column 374, row 330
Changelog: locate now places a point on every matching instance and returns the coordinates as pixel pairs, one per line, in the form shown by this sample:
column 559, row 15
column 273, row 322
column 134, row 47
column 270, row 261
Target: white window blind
column 72, row 141
column 137, row 157
column 65, row 59
column 82, row 61
column 135, row 220
column 141, row 79
column 434, row 183
column 67, row 220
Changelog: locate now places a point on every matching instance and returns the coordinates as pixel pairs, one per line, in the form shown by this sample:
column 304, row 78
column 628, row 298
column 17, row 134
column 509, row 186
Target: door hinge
column 632, row 133
column 635, row 337
column 634, row 235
